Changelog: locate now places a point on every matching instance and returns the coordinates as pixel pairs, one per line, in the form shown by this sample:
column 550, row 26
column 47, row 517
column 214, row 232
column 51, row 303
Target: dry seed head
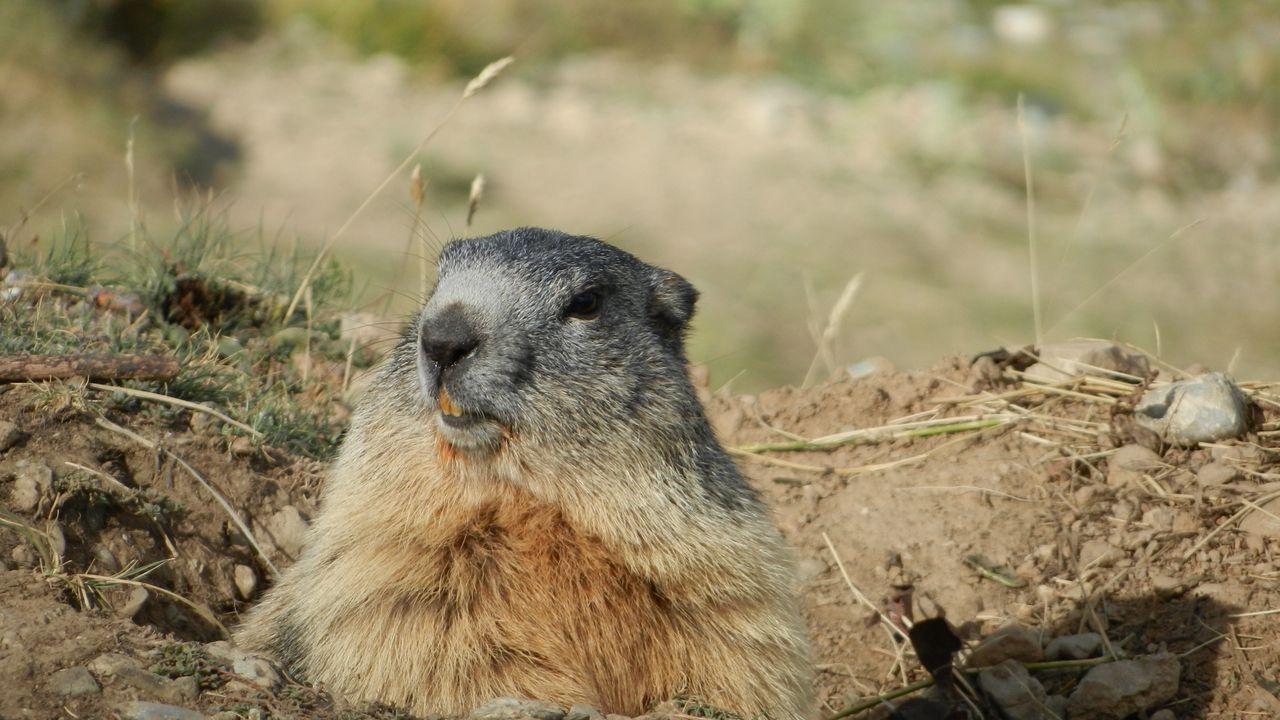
column 491, row 71
column 842, row 306
column 473, row 202
column 417, row 188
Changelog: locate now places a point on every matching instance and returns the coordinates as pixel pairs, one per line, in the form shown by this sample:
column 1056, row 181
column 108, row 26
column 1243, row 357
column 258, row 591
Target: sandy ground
column 1158, row 560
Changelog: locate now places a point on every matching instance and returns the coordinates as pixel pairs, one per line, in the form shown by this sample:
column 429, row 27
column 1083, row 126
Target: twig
column 34, row 368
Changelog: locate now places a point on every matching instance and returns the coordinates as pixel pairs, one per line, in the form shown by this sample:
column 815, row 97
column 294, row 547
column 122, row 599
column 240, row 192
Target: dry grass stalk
column 217, row 496
column 484, row 78
column 832, row 329
column 205, row 613
column 473, row 199
column 197, row 407
column 1033, row 244
column 890, row 629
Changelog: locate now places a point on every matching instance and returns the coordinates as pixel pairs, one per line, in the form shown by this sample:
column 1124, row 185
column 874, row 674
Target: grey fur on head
column 499, row 336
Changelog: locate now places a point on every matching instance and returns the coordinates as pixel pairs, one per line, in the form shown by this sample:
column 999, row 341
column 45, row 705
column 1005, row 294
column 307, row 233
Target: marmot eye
column 584, row 306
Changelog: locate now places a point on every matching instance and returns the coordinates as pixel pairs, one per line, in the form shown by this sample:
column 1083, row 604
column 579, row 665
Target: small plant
column 181, row 660
column 696, row 708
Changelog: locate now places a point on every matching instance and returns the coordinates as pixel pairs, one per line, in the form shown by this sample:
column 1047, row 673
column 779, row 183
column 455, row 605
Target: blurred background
column 769, row 150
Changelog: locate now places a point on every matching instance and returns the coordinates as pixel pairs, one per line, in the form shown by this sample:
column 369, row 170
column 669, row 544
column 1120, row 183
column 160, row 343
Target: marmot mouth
column 452, row 415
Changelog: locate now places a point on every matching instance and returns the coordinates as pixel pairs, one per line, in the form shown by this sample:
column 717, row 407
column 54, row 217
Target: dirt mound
column 961, row 491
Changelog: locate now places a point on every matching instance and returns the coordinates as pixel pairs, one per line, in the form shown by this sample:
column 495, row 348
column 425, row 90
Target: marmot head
column 533, row 333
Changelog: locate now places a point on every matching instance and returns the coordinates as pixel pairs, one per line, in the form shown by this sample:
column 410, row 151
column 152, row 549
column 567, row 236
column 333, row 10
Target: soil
column 896, row 521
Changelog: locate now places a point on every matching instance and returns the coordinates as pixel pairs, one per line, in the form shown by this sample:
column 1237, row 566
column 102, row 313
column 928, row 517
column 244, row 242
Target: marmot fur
column 530, row 502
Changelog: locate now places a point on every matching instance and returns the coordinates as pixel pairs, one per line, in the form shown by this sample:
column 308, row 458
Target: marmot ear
column 671, row 301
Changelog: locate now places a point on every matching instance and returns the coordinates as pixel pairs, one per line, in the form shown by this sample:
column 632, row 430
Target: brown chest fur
column 509, row 596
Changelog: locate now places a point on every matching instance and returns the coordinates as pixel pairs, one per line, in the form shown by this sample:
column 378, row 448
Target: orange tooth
column 447, row 406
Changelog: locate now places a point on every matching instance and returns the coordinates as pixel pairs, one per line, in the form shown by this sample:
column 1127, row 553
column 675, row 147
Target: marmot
column 530, row 502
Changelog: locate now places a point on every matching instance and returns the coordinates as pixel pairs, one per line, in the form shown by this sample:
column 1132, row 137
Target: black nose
column 448, row 337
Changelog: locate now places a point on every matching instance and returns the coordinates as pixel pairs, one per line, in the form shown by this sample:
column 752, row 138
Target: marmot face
column 537, row 333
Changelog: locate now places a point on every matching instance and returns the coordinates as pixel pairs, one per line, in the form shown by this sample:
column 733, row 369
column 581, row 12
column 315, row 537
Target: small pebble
column 1260, row 524
column 1011, row 642
column 1128, row 465
column 137, row 598
column 1074, row 647
column 583, row 712
column 1011, row 688
column 1216, row 473
column 246, row 581
column 72, row 682
column 31, row 483
column 112, row 663
column 1122, row 688
column 23, row 556
column 10, row 435
column 1203, row 409
column 140, row 710
column 514, row 709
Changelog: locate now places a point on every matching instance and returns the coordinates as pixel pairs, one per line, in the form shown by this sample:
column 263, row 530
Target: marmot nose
column 448, row 337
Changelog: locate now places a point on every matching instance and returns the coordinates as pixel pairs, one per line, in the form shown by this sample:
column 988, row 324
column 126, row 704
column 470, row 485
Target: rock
column 1165, row 714
column 1262, row 524
column 1011, row 642
column 137, row 598
column 1246, row 454
column 1216, row 473
column 105, row 560
column 183, row 689
column 32, row 482
column 112, row 663
column 147, row 682
column 1062, row 361
column 1127, row 465
column 246, row 581
column 1098, row 553
column 513, row 709
column 286, row 530
column 23, row 556
column 252, row 667
column 583, row 712
column 57, row 538
column 1012, row 689
column 1159, row 518
column 10, row 435
column 139, row 710
column 1122, row 688
column 203, row 422
column 1056, row 705
column 875, row 365
column 73, row 681
column 1074, row 647
column 1202, row 409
